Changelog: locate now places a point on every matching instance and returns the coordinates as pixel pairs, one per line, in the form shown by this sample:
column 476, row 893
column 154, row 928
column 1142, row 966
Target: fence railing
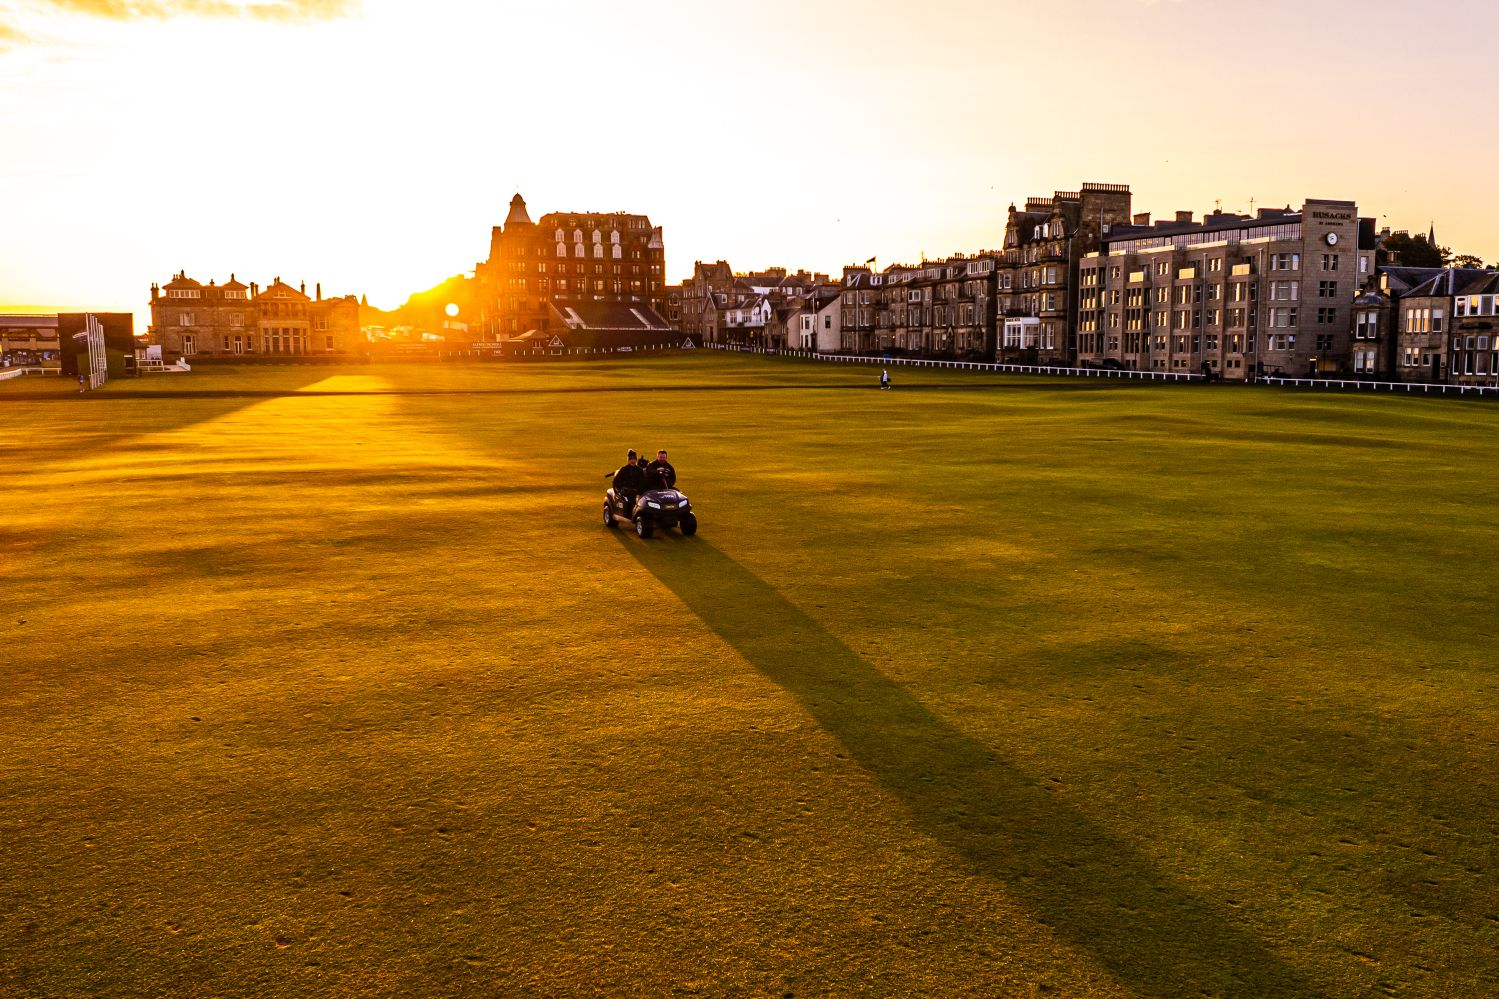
column 1409, row 388
column 922, row 362
column 1347, row 384
column 34, row 369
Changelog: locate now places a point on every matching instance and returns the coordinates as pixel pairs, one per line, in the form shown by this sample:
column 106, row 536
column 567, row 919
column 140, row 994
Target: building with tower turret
column 1036, row 283
column 570, row 268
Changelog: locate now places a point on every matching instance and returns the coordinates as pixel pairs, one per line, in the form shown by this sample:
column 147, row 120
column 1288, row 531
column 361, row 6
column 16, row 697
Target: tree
column 1467, row 260
column 1415, row 251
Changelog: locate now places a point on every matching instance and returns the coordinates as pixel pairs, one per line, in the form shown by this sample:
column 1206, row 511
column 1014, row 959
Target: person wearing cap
column 661, row 471
column 629, row 480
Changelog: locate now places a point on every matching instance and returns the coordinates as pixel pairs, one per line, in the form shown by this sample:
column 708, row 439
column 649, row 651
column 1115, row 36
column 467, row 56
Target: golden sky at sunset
column 370, row 145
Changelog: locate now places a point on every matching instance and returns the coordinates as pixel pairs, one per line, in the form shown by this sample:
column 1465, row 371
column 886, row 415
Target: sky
column 371, row 144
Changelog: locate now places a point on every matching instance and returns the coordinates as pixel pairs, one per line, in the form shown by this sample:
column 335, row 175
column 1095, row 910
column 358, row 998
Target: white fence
column 18, row 372
column 1408, row 388
column 920, row 362
column 1348, row 384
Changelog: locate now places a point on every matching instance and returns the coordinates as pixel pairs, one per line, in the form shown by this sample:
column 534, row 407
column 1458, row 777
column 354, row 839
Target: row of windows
column 1475, row 305
column 272, row 341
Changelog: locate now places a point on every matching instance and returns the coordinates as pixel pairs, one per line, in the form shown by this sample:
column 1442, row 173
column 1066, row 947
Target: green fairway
column 332, row 681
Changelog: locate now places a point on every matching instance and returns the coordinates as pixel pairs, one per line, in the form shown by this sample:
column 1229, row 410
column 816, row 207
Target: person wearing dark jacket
column 662, row 471
column 629, row 481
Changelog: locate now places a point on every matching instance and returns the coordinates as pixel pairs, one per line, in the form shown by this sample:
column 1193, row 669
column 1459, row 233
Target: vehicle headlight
column 653, row 504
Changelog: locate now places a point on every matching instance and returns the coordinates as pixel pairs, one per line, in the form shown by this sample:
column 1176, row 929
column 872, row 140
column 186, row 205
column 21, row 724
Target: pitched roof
column 1448, row 282
column 636, row 317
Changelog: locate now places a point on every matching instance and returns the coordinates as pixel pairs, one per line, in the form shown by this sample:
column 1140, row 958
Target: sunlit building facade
column 1230, row 294
column 537, row 269
column 1036, row 281
column 191, row 319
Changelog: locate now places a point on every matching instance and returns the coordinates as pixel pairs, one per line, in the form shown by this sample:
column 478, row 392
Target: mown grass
column 333, row 682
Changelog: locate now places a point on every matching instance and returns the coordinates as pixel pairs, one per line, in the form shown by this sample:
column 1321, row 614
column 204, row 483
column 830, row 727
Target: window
column 1282, row 318
column 1324, row 343
column 1329, row 261
column 1436, row 320
column 1327, row 316
column 187, row 319
column 1327, row 289
column 1285, row 262
column 189, row 344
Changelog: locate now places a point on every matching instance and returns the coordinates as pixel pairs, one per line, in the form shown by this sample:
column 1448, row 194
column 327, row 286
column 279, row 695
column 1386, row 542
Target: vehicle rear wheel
column 609, row 520
column 643, row 526
column 689, row 524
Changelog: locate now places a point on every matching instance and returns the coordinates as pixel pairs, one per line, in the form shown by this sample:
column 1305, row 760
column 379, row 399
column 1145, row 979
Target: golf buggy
column 663, row 508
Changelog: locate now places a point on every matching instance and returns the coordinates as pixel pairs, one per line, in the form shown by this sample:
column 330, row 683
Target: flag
column 870, row 260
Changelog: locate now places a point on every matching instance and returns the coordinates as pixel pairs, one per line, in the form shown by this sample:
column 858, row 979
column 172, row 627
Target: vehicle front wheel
column 609, row 520
column 643, row 526
column 689, row 524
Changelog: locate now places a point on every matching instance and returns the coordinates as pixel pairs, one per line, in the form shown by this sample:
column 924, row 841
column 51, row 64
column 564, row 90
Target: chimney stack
column 155, row 291
column 1184, row 216
column 1142, row 218
column 302, row 287
column 320, row 291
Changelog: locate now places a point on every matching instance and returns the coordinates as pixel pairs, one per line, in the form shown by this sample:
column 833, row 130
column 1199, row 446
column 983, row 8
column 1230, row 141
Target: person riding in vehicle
column 662, row 471
column 630, row 480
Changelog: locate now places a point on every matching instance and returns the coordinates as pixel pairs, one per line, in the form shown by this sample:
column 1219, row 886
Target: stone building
column 750, row 309
column 1447, row 329
column 191, row 319
column 567, row 258
column 1036, row 282
column 1474, row 347
column 1231, row 294
column 940, row 308
column 702, row 294
column 1376, row 319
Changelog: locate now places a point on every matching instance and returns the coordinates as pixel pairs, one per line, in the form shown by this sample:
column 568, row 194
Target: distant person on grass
column 885, row 378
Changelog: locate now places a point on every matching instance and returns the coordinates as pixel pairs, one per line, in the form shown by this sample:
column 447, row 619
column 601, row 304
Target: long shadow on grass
column 1089, row 885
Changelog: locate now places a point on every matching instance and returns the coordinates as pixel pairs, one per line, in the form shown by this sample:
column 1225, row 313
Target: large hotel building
column 1229, row 294
column 570, row 268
